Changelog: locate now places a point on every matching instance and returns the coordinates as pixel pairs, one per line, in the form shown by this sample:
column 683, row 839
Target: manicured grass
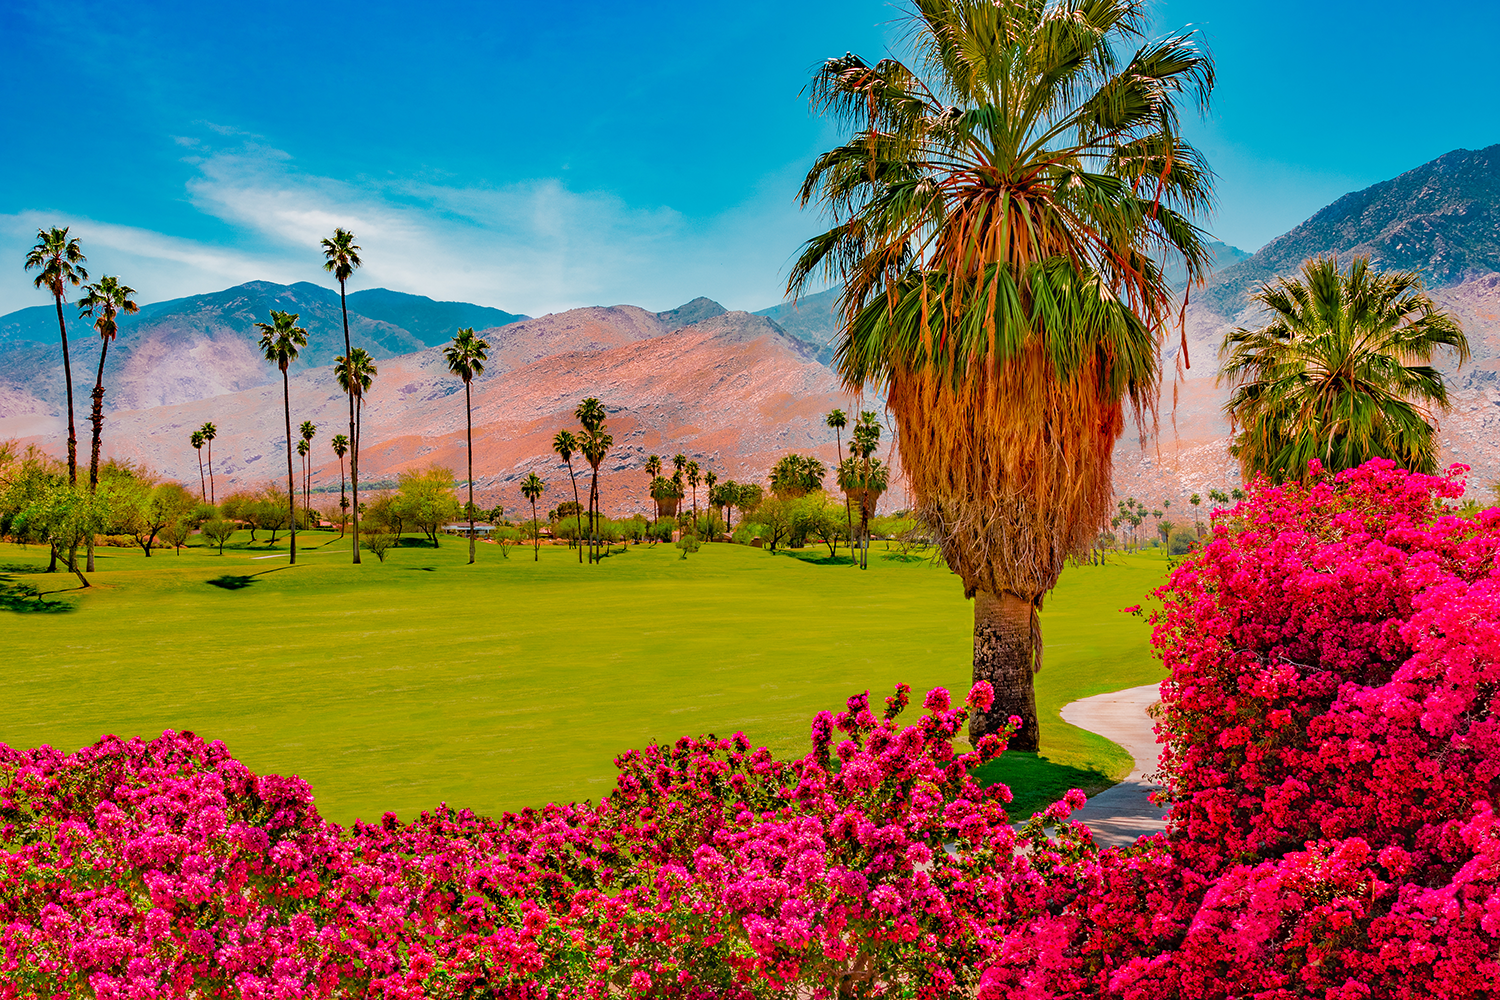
column 395, row 686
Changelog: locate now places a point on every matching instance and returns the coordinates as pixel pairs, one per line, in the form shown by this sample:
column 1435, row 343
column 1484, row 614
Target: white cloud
column 535, row 246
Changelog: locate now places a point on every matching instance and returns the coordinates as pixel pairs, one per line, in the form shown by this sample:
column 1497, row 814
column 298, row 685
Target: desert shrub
column 688, row 543
column 1181, row 542
column 378, row 542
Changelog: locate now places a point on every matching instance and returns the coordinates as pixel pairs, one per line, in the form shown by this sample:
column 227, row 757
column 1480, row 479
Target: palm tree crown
column 104, row 301
column 998, row 218
column 1340, row 373
column 466, row 354
column 341, row 254
column 58, row 261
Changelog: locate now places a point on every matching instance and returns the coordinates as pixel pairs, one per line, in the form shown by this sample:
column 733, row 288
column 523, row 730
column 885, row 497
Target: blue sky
column 538, row 157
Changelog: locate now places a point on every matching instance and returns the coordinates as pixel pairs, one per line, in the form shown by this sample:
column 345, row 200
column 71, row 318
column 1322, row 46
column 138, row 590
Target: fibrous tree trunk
column 353, row 434
column 469, row 425
column 1007, row 652
column 291, row 480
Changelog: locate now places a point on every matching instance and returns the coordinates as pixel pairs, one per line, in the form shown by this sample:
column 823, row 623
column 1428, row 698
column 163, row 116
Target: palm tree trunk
column 594, row 515
column 291, row 484
column 97, row 419
column 343, row 500
column 469, row 424
column 353, row 433
column 577, row 511
column 536, row 536
column 202, row 483
column 211, row 497
column 62, row 330
column 1007, row 650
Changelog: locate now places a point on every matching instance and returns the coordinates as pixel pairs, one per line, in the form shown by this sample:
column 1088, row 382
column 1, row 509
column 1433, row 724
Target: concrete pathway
column 1118, row 815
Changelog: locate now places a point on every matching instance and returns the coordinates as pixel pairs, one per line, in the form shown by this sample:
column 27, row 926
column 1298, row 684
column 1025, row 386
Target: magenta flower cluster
column 1332, row 754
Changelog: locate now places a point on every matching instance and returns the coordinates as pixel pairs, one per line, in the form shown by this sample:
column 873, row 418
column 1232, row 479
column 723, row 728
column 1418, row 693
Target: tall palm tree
column 997, row 229
column 104, row 301
column 209, row 432
column 837, row 420
column 565, row 444
column 653, row 472
column 355, row 373
column 532, row 488
column 280, row 341
column 308, row 430
column 303, row 450
column 59, row 263
column 1341, row 372
column 196, row 440
column 709, row 479
column 691, row 469
column 466, row 356
column 340, row 445
column 863, row 443
column 594, row 444
column 341, row 257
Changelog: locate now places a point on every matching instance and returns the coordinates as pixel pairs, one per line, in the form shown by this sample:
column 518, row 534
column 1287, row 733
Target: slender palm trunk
column 343, row 500
column 96, row 417
column 848, row 513
column 536, row 536
column 353, row 431
column 291, row 483
column 211, row 497
column 62, row 329
column 1007, row 645
column 202, row 483
column 577, row 511
column 594, row 516
column 469, row 424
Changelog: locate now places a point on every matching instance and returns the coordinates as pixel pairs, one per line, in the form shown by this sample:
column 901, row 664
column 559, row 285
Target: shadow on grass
column 230, row 581
column 1037, row 782
column 420, row 569
column 26, row 598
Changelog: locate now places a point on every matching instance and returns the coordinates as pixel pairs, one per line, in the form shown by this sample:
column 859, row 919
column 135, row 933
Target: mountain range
column 734, row 390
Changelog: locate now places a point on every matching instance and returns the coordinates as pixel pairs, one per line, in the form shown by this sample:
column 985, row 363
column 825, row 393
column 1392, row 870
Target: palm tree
column 796, row 475
column 308, row 430
column 466, row 356
column 341, row 255
column 997, row 231
column 565, row 444
column 59, row 263
column 709, row 479
column 532, row 488
column 692, row 477
column 196, row 440
column 104, row 301
column 209, row 432
column 303, row 449
column 865, row 442
column 593, row 444
column 280, row 341
column 837, row 420
column 340, row 445
column 1340, row 373
column 355, row 372
column 653, row 472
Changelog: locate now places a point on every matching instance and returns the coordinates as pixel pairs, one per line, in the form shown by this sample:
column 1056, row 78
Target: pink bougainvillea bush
column 1332, row 725
column 1333, row 757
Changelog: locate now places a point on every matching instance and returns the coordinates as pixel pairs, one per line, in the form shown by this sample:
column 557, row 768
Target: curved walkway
column 1118, row 815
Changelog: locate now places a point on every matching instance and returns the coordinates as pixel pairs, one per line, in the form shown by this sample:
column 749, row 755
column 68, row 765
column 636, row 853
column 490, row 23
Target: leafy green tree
column 340, row 445
column 341, row 258
column 103, row 302
column 466, row 356
column 594, row 444
column 152, row 507
column 425, row 500
column 1341, row 373
column 667, row 493
column 532, row 488
column 196, row 440
column 379, row 543
column 997, row 228
column 280, row 341
column 565, row 444
column 688, row 542
column 209, row 432
column 58, row 261
column 219, row 532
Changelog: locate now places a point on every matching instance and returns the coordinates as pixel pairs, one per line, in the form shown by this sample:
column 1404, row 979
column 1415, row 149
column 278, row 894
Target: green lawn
column 395, row 686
